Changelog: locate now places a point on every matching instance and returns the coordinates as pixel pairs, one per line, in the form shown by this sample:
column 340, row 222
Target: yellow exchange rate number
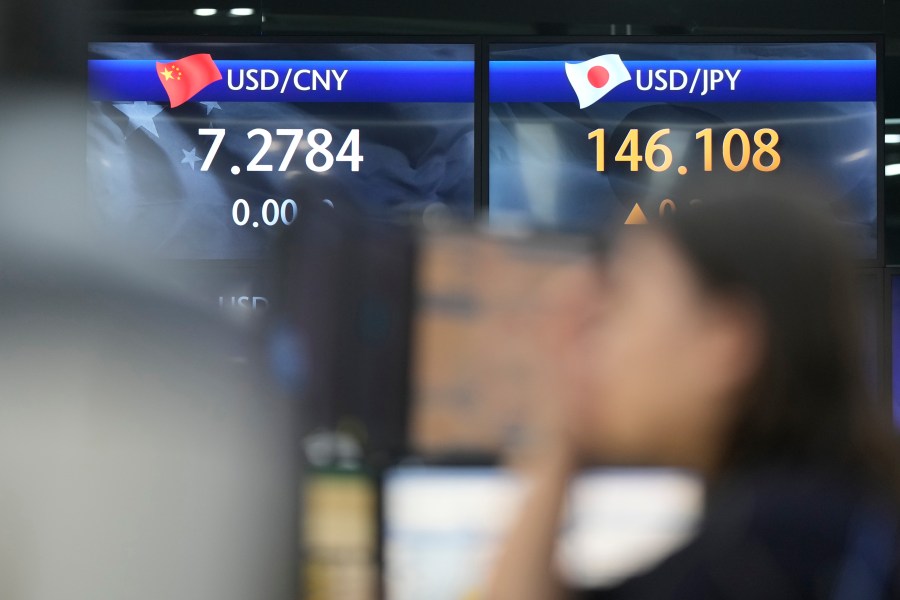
column 739, row 151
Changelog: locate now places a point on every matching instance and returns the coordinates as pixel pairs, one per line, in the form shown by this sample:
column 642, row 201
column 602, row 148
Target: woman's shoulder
column 784, row 502
column 780, row 533
column 780, row 500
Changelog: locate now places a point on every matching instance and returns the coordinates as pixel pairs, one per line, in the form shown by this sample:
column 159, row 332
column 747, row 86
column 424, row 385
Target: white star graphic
column 140, row 115
column 210, row 106
column 190, row 157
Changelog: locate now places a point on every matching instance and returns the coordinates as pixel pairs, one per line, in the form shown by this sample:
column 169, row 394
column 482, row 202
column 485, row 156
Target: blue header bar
column 696, row 81
column 296, row 81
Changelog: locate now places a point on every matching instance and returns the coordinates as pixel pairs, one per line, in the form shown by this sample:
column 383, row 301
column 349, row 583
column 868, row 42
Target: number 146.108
column 738, row 150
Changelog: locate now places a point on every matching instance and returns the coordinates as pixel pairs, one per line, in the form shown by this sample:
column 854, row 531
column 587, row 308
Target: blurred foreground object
column 141, row 454
column 340, row 538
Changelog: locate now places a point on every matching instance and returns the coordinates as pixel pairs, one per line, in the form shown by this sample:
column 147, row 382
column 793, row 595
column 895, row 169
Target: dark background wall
column 505, row 16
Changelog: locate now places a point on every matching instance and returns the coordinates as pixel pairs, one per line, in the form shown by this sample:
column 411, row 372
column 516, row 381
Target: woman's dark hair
column 808, row 404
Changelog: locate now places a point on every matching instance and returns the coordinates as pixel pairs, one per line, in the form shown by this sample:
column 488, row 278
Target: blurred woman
column 727, row 345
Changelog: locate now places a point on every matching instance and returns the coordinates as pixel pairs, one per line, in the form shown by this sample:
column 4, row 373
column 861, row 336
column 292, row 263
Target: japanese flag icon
column 593, row 79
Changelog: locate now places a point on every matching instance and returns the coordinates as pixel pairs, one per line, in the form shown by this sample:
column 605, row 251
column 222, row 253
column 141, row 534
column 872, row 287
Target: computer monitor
column 443, row 526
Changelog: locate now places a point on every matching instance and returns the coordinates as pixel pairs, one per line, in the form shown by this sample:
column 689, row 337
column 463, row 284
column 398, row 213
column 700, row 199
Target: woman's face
column 665, row 361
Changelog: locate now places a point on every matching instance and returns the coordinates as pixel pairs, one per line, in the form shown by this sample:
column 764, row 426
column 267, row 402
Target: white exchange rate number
column 319, row 157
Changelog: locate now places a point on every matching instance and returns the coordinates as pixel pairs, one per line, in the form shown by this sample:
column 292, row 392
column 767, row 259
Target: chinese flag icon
column 184, row 78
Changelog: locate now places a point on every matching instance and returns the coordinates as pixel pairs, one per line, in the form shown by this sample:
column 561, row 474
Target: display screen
column 208, row 151
column 443, row 526
column 597, row 135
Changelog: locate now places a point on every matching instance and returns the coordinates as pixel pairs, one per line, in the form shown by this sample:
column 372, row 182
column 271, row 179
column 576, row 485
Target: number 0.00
column 272, row 212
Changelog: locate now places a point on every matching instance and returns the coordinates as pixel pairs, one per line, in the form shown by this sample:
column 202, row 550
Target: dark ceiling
column 498, row 16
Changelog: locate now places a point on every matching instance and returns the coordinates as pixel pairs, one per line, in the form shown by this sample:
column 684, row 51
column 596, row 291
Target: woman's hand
column 553, row 448
column 564, row 308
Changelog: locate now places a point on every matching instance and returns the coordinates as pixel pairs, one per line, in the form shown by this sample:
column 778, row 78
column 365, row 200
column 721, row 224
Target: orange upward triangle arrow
column 636, row 216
